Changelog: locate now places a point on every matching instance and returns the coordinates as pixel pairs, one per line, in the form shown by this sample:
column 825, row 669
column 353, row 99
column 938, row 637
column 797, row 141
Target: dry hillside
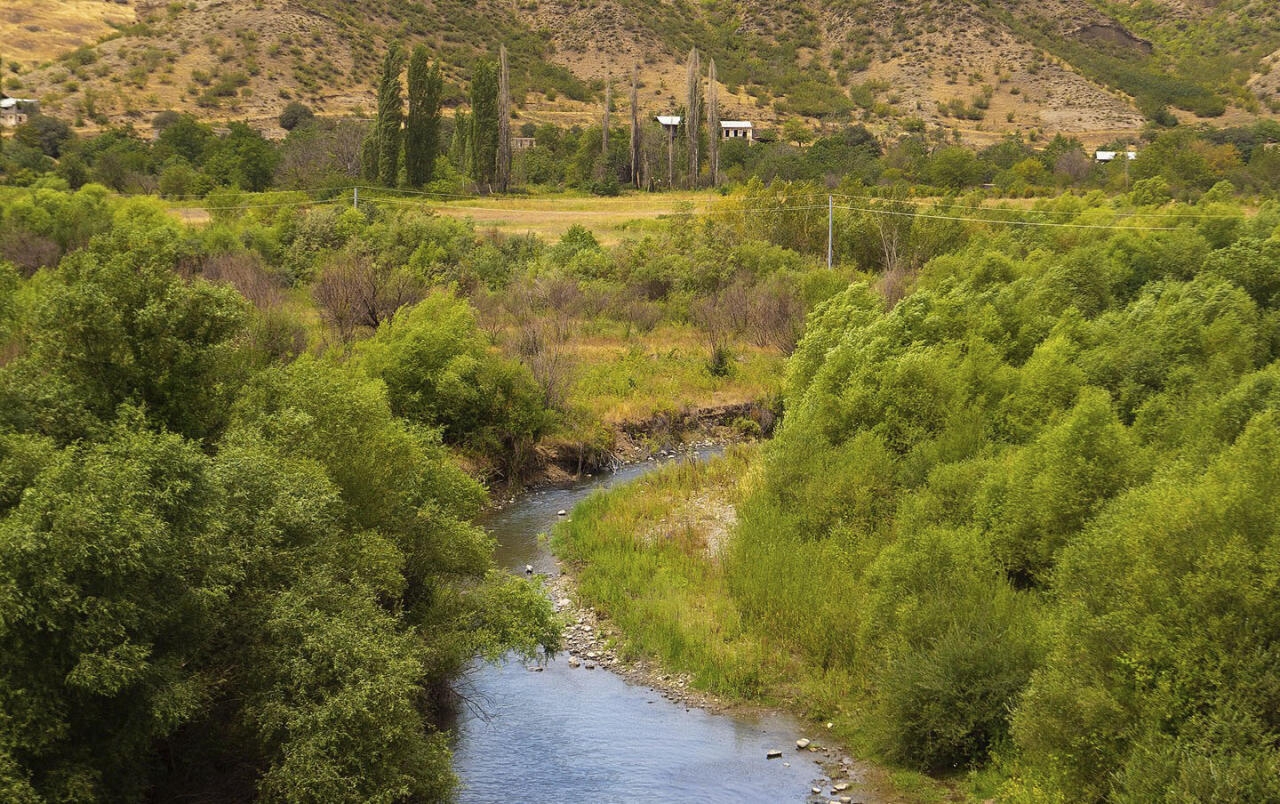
column 981, row 67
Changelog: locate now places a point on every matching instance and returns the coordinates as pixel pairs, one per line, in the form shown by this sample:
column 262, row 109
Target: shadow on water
column 560, row 734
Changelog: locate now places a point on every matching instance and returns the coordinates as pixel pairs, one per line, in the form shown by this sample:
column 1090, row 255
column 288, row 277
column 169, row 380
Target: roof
column 1109, row 156
column 669, row 119
column 8, row 103
column 735, row 124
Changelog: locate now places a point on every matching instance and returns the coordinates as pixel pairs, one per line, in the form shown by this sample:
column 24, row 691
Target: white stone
column 773, row 753
column 802, row 743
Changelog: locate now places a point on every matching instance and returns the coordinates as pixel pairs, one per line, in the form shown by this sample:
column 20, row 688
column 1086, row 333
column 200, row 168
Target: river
column 576, row 735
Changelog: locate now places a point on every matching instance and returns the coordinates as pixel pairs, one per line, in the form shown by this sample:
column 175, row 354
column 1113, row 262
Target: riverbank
column 590, row 644
column 657, row 436
column 643, row 588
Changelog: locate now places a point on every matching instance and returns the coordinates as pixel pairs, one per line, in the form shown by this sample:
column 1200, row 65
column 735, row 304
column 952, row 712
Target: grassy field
column 621, row 377
column 609, row 219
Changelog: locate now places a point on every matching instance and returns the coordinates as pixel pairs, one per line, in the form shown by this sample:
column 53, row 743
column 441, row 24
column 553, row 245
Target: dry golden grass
column 35, row 31
column 609, row 219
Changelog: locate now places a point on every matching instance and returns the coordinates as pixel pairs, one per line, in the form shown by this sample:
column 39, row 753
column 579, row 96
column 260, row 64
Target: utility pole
column 830, row 228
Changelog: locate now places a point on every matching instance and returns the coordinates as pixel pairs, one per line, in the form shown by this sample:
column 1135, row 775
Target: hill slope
column 1091, row 68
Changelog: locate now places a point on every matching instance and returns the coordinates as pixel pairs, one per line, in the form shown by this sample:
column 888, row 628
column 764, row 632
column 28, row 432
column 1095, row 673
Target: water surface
column 578, row 735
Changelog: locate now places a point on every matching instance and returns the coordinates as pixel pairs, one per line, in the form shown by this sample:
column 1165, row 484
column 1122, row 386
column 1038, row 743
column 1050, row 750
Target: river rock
column 528, row 569
column 802, row 743
column 591, row 665
column 773, row 753
column 841, row 787
column 815, row 790
column 562, row 512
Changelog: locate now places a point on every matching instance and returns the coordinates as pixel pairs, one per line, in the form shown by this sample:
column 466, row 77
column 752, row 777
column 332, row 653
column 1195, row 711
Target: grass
column 648, row 555
column 609, row 219
column 35, row 31
column 628, row 378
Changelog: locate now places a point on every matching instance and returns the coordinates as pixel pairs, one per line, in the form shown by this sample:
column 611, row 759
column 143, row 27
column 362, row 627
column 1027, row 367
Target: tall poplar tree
column 460, row 145
column 484, row 122
column 422, row 130
column 713, row 123
column 604, row 170
column 503, row 167
column 635, row 127
column 387, row 133
column 693, row 114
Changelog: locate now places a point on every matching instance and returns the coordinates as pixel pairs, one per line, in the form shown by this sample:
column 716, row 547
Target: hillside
column 1089, row 68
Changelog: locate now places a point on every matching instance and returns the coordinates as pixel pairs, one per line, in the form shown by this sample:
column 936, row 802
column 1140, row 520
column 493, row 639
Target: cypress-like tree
column 693, row 114
column 422, row 131
column 713, row 123
column 503, row 168
column 635, row 127
column 387, row 132
column 484, row 122
column 460, row 146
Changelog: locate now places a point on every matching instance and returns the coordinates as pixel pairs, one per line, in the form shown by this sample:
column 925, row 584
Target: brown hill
column 984, row 68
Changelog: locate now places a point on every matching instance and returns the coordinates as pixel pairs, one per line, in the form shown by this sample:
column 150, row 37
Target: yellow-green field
column 609, row 219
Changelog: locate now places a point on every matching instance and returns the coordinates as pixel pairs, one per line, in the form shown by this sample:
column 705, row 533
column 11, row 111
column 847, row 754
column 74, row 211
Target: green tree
column 439, row 372
column 296, row 114
column 243, row 159
column 387, row 127
column 116, row 569
column 422, row 131
column 48, row 134
column 116, row 324
column 484, row 123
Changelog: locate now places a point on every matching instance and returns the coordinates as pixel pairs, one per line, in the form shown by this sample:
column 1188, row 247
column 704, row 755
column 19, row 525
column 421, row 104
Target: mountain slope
column 982, row 67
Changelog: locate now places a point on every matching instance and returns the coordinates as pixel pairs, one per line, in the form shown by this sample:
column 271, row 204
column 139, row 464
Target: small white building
column 15, row 111
column 737, row 130
column 669, row 121
column 1111, row 156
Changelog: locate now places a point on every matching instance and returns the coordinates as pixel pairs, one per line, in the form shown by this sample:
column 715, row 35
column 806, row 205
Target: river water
column 578, row 735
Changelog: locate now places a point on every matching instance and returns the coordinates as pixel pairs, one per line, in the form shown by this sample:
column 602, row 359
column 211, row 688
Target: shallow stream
column 576, row 735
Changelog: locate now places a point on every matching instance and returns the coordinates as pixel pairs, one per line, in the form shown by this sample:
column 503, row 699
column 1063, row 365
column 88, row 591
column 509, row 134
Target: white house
column 15, row 111
column 737, row 130
column 1110, row 156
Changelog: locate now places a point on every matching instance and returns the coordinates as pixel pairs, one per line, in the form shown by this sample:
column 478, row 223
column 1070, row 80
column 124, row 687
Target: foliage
column 439, row 372
column 220, row 576
column 387, row 133
column 422, row 128
column 296, row 114
column 483, row 138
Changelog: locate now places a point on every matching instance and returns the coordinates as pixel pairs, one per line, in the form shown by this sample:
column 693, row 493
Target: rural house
column 737, row 130
column 15, row 111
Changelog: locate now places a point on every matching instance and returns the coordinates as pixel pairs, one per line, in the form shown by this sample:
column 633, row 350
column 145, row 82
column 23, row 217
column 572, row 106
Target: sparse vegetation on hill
column 981, row 67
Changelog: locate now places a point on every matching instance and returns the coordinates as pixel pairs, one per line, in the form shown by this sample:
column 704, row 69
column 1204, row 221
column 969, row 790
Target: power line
column 1012, row 222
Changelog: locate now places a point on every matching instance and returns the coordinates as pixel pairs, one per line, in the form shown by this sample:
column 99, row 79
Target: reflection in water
column 570, row 735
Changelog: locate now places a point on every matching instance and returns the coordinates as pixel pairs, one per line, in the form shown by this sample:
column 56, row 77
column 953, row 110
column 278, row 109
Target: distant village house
column 523, row 143
column 737, row 130
column 15, row 111
column 1110, row 156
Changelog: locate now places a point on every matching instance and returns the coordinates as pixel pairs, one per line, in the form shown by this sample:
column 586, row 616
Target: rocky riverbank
column 589, row 646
